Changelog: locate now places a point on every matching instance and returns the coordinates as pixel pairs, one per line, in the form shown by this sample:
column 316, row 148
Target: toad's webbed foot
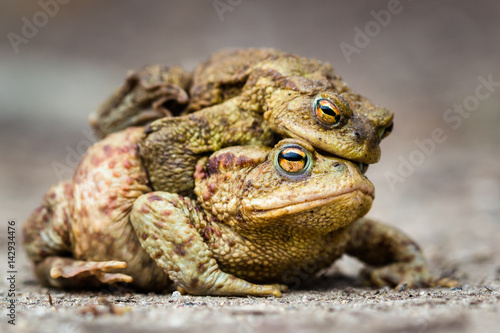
column 63, row 272
column 154, row 92
column 399, row 275
column 168, row 227
column 395, row 259
column 402, row 275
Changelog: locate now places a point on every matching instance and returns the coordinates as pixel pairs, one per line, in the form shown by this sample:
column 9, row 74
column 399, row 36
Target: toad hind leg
column 47, row 242
column 167, row 226
column 396, row 259
column 152, row 93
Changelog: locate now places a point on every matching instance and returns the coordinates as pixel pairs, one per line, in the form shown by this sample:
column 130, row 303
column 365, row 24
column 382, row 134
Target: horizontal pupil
column 328, row 110
column 293, row 157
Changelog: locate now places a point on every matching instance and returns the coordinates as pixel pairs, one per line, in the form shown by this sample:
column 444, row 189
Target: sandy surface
column 429, row 58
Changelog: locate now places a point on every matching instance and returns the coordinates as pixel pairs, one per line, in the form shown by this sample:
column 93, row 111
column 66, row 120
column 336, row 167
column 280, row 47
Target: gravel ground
column 429, row 58
column 470, row 309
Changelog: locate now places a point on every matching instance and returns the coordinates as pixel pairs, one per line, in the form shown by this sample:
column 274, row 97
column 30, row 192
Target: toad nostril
column 338, row 166
column 357, row 136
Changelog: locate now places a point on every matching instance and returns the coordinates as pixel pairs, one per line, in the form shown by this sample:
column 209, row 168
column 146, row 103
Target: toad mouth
column 288, row 209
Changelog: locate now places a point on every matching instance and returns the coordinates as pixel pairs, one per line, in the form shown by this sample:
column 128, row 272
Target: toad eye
column 327, row 112
column 293, row 160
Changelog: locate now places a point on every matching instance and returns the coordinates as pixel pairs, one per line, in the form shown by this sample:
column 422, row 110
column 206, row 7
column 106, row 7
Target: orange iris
column 327, row 112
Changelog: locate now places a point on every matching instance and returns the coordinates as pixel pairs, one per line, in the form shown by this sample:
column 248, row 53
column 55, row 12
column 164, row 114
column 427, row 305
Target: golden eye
column 327, row 112
column 293, row 160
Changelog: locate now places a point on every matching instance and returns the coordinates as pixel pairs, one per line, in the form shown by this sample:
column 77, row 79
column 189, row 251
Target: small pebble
column 176, row 295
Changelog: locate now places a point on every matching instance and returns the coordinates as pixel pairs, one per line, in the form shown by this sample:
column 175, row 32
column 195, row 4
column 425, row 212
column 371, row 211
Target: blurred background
column 423, row 60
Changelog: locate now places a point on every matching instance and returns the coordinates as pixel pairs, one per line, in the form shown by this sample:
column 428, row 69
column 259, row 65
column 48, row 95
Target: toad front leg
column 396, row 259
column 168, row 226
column 170, row 147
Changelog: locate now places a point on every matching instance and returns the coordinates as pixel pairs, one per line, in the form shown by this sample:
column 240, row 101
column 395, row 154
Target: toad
column 257, row 213
column 241, row 97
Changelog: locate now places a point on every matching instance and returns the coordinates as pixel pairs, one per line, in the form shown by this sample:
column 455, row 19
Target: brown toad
column 260, row 213
column 276, row 95
column 279, row 92
column 228, row 73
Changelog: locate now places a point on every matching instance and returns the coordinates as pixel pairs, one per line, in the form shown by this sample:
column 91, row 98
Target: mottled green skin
column 170, row 147
column 250, row 224
column 229, row 73
column 272, row 104
column 271, row 92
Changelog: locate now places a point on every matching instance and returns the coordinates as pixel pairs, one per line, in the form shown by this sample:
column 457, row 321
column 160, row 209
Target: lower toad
column 259, row 213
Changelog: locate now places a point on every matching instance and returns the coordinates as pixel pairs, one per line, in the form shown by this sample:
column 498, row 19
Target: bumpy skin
column 225, row 74
column 281, row 89
column 252, row 223
column 170, row 147
column 84, row 223
column 278, row 97
column 154, row 92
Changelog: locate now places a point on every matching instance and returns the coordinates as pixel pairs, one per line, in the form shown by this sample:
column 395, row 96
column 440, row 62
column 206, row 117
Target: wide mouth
column 314, row 202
